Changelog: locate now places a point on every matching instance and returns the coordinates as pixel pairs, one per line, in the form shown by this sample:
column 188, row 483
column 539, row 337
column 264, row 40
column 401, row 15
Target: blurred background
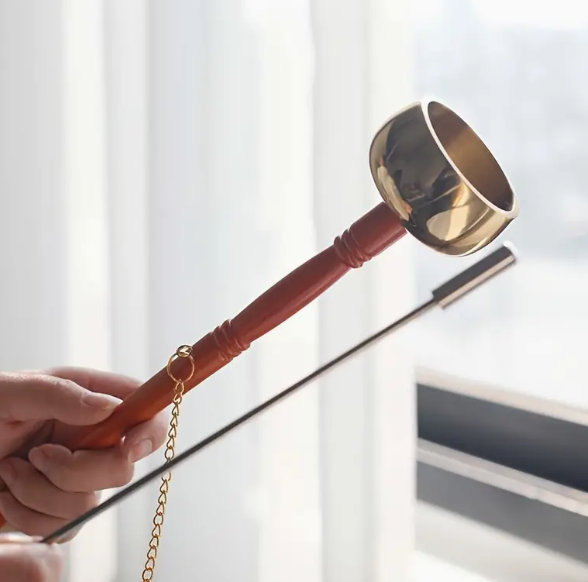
column 163, row 162
column 514, row 70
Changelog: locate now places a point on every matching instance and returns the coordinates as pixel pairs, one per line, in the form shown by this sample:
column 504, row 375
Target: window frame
column 510, row 461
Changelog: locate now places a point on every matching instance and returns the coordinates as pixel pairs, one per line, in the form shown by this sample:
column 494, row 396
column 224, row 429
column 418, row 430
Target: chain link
column 170, row 447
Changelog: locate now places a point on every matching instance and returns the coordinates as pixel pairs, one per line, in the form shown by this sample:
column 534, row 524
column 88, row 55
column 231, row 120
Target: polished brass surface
column 435, row 172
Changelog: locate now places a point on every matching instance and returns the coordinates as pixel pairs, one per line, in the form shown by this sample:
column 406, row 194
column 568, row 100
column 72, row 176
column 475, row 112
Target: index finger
column 120, row 386
column 43, row 397
column 117, row 385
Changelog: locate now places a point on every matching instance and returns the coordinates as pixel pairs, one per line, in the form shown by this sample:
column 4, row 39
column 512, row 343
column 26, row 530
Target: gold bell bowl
column 435, row 172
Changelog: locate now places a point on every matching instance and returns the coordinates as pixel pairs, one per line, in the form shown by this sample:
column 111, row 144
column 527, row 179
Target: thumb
column 41, row 397
column 22, row 559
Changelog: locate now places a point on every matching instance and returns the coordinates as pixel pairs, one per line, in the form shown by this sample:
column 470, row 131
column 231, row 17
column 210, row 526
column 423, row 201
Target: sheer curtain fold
column 229, row 144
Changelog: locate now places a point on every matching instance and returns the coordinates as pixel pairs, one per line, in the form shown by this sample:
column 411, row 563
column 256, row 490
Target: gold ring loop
column 184, row 351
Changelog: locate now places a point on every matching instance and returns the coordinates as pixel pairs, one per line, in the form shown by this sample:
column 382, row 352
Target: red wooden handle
column 366, row 238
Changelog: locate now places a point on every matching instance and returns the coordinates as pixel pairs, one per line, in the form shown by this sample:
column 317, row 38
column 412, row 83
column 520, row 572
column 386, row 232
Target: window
column 519, row 77
column 503, row 379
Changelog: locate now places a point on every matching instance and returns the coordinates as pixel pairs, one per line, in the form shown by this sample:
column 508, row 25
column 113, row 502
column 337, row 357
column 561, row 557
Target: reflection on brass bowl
column 440, row 178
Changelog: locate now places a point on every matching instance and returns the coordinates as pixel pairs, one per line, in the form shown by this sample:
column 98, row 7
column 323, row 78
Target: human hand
column 45, row 484
column 22, row 559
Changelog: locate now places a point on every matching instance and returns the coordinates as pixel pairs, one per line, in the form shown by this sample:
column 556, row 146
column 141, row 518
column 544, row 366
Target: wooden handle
column 366, row 238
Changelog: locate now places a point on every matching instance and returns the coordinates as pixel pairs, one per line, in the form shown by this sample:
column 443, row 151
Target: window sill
column 450, row 547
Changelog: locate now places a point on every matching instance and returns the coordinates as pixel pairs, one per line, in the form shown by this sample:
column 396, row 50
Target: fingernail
column 100, row 401
column 141, row 450
column 39, row 458
column 7, row 471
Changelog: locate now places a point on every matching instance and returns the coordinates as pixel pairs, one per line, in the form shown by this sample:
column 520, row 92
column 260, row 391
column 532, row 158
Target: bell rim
column 511, row 213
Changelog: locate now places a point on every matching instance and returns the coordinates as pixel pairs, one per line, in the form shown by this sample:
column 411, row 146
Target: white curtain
column 161, row 164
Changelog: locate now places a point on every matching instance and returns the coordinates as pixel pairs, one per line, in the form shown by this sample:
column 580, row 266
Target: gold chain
column 181, row 352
